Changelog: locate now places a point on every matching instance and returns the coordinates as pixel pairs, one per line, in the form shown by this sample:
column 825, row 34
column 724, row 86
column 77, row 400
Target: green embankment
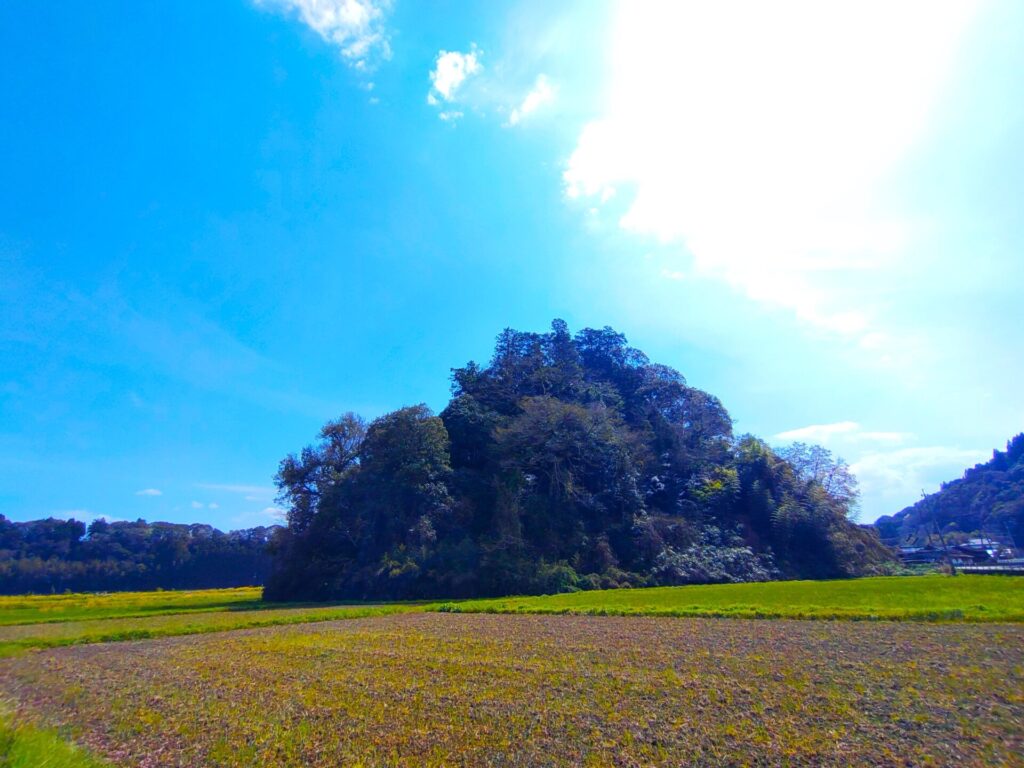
column 906, row 598
column 26, row 746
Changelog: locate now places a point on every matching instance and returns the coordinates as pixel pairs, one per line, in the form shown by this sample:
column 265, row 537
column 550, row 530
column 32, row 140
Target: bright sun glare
column 782, row 116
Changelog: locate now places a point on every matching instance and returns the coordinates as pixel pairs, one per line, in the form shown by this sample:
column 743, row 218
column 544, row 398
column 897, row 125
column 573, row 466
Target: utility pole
column 1009, row 536
column 945, row 549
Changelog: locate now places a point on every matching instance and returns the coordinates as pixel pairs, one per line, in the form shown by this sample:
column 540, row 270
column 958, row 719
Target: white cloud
column 818, row 432
column 843, row 431
column 197, row 505
column 891, row 474
column 213, row 505
column 83, row 516
column 271, row 515
column 451, row 70
column 73, row 514
column 756, row 135
column 883, row 437
column 251, row 492
column 905, row 472
column 355, row 27
column 275, row 513
column 459, row 82
column 543, row 92
column 149, row 492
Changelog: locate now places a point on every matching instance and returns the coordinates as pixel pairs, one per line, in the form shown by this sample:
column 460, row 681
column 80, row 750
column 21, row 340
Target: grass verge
column 899, row 598
column 26, row 746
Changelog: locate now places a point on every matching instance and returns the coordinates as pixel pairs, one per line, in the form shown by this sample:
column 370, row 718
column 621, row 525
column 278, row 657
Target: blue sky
column 222, row 224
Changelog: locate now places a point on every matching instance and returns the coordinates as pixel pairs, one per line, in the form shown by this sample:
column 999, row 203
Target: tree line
column 52, row 555
column 567, row 462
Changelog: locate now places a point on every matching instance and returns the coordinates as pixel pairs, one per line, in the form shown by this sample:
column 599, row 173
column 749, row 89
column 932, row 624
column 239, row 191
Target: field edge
column 24, row 745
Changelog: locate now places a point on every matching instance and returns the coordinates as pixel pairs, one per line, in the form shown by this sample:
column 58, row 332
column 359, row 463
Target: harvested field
column 433, row 689
column 18, row 638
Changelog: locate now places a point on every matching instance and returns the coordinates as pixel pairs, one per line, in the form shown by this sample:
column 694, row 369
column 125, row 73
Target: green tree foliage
column 44, row 556
column 306, row 478
column 987, row 500
column 564, row 463
column 800, row 501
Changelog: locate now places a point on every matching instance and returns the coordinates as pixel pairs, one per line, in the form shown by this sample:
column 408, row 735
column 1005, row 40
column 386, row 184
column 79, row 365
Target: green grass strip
column 893, row 598
column 64, row 620
column 25, row 746
column 38, row 609
column 18, row 639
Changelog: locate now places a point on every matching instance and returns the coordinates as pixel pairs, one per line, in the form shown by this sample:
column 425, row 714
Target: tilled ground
column 18, row 637
column 503, row 690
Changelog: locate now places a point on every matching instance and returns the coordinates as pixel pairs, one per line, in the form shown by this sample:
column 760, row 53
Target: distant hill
column 988, row 499
column 567, row 462
column 52, row 555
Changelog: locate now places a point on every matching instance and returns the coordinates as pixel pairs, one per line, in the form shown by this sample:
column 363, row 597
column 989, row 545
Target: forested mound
column 568, row 462
column 988, row 500
column 54, row 555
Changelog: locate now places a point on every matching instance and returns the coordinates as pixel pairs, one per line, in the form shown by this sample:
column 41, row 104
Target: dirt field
column 455, row 689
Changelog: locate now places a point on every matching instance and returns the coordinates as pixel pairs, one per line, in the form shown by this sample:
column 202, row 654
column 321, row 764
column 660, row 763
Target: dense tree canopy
column 567, row 462
column 53, row 555
column 988, row 500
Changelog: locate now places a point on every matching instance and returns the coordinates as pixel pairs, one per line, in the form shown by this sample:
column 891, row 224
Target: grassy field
column 922, row 598
column 15, row 639
column 442, row 689
column 61, row 620
column 35, row 609
column 52, row 621
column 628, row 678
